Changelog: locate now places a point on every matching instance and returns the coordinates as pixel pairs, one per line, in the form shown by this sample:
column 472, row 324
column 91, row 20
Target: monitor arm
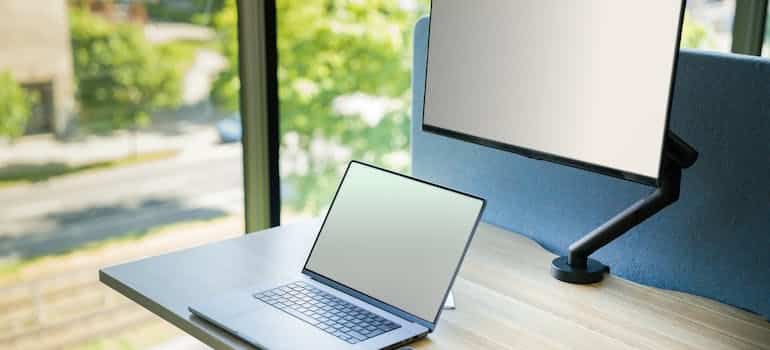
column 577, row 267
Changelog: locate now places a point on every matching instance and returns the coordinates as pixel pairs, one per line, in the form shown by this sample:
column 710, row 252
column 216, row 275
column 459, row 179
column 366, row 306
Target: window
column 709, row 25
column 726, row 26
column 344, row 87
column 118, row 140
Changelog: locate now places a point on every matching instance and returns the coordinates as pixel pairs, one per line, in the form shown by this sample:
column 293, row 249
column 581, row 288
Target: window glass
column 344, row 85
column 117, row 142
column 708, row 25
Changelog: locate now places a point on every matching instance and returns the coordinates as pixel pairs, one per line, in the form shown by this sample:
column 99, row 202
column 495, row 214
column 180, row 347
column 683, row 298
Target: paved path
column 162, row 32
column 200, row 76
column 65, row 213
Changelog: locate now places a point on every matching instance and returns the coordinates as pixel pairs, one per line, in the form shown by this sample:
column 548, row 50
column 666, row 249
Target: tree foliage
column 695, row 35
column 15, row 106
column 120, row 76
column 226, row 87
column 328, row 49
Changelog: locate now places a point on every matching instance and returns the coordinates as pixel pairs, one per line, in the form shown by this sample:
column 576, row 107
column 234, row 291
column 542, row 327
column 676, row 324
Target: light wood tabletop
column 505, row 298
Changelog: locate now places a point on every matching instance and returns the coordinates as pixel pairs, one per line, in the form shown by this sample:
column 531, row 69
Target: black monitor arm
column 577, row 267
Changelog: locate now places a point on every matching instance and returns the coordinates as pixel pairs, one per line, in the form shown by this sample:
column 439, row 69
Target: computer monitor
column 584, row 83
column 581, row 83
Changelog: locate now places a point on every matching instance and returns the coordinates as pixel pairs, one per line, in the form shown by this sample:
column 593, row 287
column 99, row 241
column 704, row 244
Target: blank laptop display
column 395, row 239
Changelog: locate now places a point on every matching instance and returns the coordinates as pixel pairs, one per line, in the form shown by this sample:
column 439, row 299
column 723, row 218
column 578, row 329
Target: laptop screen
column 395, row 239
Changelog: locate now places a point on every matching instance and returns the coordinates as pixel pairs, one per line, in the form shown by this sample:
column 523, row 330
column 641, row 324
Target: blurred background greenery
column 16, row 104
column 121, row 78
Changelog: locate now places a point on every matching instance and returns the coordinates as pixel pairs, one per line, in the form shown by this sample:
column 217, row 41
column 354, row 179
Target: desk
column 505, row 298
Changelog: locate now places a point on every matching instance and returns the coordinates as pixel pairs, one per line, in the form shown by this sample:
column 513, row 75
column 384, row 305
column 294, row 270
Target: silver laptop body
column 379, row 271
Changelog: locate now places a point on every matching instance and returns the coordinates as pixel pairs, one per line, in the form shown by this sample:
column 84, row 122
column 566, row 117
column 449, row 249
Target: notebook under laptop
column 376, row 277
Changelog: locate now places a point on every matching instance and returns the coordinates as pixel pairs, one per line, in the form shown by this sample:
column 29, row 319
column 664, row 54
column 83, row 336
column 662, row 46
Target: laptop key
column 357, row 335
column 328, row 313
column 300, row 316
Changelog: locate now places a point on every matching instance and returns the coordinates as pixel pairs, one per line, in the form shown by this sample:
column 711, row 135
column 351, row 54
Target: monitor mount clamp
column 577, row 267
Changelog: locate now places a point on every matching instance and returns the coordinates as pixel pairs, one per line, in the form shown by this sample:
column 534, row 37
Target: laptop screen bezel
column 430, row 324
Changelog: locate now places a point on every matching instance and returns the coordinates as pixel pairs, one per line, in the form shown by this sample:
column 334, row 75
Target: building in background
column 39, row 56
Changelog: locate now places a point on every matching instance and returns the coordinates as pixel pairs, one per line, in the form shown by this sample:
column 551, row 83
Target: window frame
column 749, row 26
column 257, row 59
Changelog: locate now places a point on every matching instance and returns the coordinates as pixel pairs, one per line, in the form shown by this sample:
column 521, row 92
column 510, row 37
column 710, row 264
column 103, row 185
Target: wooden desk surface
column 505, row 298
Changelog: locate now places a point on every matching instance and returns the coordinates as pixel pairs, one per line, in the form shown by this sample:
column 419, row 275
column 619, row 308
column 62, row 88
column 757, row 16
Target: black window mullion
column 749, row 26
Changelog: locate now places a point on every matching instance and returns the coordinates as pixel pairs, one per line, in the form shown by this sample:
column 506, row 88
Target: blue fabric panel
column 714, row 242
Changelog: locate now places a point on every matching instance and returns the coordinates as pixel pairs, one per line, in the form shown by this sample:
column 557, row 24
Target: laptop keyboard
column 326, row 312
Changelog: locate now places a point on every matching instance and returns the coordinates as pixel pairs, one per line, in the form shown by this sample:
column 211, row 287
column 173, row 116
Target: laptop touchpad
column 273, row 329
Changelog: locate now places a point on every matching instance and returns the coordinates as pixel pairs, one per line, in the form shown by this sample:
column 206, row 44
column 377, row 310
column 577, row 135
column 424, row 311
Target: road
column 65, row 213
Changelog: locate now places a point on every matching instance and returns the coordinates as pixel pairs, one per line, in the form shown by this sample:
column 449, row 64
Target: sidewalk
column 39, row 149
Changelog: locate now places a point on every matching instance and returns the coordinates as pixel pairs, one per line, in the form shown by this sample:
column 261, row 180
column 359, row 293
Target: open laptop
column 376, row 277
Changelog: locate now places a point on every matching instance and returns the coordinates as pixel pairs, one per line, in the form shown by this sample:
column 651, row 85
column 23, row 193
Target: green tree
column 695, row 35
column 226, row 87
column 120, row 76
column 328, row 49
column 15, row 106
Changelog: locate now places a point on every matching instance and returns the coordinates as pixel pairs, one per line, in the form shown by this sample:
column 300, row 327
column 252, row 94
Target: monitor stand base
column 592, row 273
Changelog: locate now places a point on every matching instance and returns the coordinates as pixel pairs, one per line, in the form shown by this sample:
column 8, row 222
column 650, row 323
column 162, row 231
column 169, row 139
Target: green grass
column 23, row 173
column 10, row 268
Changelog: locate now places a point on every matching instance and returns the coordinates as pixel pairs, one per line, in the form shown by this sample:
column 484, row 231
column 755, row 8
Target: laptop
column 376, row 276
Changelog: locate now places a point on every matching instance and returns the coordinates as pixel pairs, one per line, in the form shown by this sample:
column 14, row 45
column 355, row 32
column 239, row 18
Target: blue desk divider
column 714, row 242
